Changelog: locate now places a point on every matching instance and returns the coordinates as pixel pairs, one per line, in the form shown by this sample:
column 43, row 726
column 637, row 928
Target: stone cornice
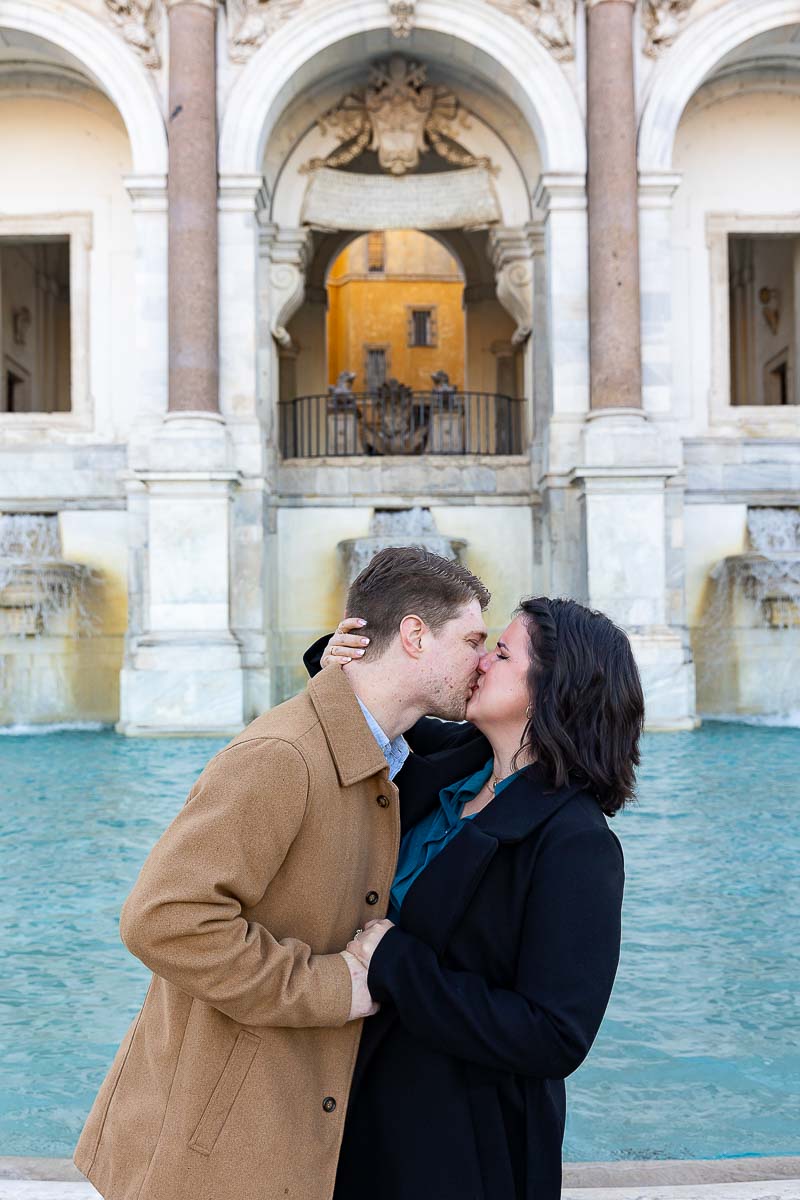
column 560, row 190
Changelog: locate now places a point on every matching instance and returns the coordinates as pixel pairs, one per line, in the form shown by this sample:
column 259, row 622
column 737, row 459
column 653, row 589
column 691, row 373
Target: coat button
column 329, row 1104
column 383, row 801
column 372, row 897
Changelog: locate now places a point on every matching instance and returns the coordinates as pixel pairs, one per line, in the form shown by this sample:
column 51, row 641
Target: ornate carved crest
column 137, row 21
column 400, row 116
column 553, row 22
column 251, row 22
column 402, row 14
column 663, row 20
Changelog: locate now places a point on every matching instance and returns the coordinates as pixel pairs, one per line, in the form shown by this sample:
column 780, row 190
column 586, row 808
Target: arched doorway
column 406, row 359
column 284, row 219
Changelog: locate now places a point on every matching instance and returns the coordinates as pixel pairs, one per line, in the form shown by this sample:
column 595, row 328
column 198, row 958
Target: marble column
column 614, row 333
column 192, row 197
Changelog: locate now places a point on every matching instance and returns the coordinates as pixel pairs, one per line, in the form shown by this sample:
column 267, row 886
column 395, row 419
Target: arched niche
column 97, row 52
column 691, row 60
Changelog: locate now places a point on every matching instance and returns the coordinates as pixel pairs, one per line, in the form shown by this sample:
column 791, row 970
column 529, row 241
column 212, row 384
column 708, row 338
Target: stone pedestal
column 183, row 666
column 627, row 496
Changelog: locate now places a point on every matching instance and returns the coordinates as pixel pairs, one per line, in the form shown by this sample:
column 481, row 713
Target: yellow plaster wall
column 372, row 309
column 98, row 539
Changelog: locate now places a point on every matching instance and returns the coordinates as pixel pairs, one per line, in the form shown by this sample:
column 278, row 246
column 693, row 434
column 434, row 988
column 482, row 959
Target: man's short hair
column 407, row 579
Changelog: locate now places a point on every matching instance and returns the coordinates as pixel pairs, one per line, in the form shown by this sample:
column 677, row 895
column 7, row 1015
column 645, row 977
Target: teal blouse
column 422, row 842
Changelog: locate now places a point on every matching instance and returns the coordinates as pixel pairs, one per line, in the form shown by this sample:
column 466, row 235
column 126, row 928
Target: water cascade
column 748, row 645
column 396, row 527
column 44, row 609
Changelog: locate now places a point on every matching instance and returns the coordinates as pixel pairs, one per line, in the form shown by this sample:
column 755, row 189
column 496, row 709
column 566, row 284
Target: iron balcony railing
column 400, row 422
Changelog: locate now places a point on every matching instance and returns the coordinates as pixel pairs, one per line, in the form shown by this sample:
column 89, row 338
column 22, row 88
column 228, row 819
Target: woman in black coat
column 495, row 976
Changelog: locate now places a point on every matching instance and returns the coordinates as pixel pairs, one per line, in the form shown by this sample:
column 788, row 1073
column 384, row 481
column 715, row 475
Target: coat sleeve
column 569, row 952
column 184, row 918
column 312, row 659
column 429, row 735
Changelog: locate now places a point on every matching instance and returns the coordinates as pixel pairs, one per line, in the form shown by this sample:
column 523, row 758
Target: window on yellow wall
column 376, row 362
column 422, row 326
column 376, row 253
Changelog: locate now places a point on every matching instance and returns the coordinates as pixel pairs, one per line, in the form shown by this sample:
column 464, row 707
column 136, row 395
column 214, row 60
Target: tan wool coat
column 232, row 1082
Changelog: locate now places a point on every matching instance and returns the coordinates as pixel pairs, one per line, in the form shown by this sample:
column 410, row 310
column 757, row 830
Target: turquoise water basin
column 698, row 1056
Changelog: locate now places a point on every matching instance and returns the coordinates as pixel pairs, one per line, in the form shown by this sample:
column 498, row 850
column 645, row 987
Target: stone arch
column 502, row 50
column 688, row 62
column 109, row 63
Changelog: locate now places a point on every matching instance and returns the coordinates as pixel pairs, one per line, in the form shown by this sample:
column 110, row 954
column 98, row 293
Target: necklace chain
column 493, row 782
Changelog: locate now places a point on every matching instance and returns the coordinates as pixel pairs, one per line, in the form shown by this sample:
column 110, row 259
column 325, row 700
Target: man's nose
column 484, row 662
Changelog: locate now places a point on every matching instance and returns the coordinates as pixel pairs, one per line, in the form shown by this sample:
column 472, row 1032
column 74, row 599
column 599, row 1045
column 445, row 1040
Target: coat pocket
column 228, row 1086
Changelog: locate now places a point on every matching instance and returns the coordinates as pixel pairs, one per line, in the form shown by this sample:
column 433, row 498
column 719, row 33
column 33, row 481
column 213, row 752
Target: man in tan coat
column 232, row 1082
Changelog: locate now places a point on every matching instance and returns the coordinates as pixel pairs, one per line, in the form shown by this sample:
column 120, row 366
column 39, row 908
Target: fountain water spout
column 397, row 527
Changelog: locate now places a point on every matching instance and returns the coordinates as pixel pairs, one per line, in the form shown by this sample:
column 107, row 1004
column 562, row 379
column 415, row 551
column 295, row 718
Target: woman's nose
column 484, row 662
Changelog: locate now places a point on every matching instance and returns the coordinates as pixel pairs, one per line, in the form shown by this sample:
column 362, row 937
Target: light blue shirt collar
column 396, row 751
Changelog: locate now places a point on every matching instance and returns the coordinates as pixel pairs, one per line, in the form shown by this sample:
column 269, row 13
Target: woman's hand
column 365, row 944
column 361, row 1003
column 345, row 645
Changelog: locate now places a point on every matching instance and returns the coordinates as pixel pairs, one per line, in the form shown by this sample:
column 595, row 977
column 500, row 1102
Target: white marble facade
column 232, row 564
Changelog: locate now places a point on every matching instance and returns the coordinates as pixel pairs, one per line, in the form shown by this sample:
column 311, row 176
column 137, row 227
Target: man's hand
column 346, row 644
column 363, row 947
column 362, row 1004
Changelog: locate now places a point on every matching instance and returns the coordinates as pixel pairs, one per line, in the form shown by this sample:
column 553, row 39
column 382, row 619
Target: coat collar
column 356, row 754
column 523, row 805
column 439, row 896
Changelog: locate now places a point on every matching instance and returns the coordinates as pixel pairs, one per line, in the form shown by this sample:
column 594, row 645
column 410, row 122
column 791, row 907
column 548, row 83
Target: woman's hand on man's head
column 346, row 644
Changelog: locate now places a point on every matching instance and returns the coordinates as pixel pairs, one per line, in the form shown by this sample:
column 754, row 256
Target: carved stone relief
column 402, row 16
column 251, row 22
column 137, row 21
column 663, row 21
column 553, row 22
column 400, row 116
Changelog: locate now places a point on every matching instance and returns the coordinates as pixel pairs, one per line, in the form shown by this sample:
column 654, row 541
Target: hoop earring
column 528, row 712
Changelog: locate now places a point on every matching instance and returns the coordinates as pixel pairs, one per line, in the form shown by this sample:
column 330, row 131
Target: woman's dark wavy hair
column 586, row 700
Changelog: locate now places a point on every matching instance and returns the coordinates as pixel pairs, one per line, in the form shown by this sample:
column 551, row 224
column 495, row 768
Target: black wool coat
column 492, row 989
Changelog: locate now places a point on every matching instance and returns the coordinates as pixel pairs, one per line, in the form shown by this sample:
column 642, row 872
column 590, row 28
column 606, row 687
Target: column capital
column 590, row 4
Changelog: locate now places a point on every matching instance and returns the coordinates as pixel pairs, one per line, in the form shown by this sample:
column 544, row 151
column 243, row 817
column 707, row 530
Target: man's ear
column 412, row 631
